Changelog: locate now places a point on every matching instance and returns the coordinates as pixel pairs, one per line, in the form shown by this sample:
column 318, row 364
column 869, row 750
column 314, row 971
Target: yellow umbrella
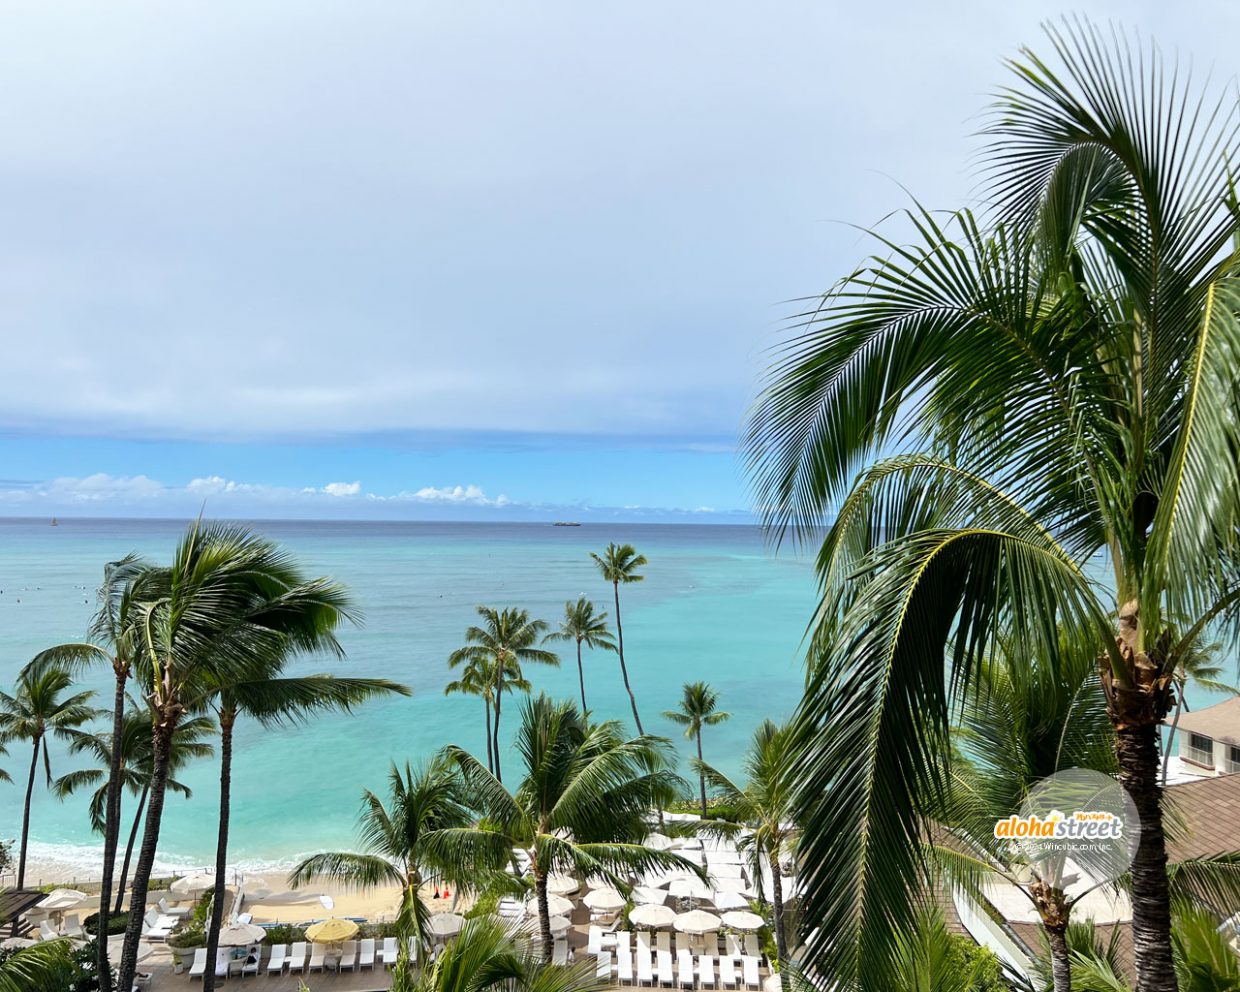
column 331, row 931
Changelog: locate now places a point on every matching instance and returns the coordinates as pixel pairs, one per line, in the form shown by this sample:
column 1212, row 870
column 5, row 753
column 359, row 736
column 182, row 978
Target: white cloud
column 470, row 494
column 342, row 488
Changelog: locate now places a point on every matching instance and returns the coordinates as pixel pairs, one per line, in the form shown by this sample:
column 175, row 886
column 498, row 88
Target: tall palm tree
column 398, row 844
column 698, row 709
column 764, row 808
column 274, row 701
column 618, row 564
column 112, row 643
column 134, row 774
column 1066, row 370
column 506, row 639
column 478, row 679
column 38, row 709
column 583, row 626
column 229, row 597
column 581, row 805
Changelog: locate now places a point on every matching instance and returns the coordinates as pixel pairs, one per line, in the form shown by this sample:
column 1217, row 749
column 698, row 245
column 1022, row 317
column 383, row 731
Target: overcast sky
column 440, row 258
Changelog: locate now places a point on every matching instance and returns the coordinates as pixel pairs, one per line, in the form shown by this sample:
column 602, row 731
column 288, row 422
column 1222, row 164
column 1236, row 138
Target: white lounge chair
column 711, row 942
column 366, row 954
column 749, row 964
column 685, row 972
column 603, row 968
column 317, row 954
column 643, row 941
column 727, row 971
column 176, row 912
column 734, row 945
column 665, row 969
column 297, row 957
column 645, row 976
column 623, row 940
column 72, row 927
column 413, row 949
column 624, row 966
column 199, row 967
column 223, row 957
column 706, row 971
column 664, row 941
column 278, row 959
column 253, row 960
column 348, row 956
column 47, row 931
column 559, row 951
column 594, row 943
column 154, row 928
column 388, row 952
column 752, row 947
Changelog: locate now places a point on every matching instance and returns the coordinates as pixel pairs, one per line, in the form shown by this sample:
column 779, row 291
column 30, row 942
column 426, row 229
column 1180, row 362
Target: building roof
column 1220, row 721
column 1204, row 817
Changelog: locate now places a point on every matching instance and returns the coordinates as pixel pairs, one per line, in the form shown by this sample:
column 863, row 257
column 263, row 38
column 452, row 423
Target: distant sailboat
column 55, row 522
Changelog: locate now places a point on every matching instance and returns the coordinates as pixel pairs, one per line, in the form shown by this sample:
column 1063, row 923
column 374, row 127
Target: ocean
column 717, row 604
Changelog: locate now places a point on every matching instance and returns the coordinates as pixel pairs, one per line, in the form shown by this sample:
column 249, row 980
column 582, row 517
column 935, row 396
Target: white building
column 1209, row 739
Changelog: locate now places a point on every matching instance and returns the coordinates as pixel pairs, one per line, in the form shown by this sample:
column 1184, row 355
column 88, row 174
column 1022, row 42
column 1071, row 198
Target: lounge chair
column 706, row 971
column 253, row 960
column 413, row 949
column 711, row 940
column 223, row 958
column 623, row 941
column 643, row 941
column 645, row 976
column 297, row 957
column 665, row 968
column 279, row 954
column 749, row 965
column 727, row 971
column 154, row 926
column 624, row 967
column 72, row 927
column 559, row 951
column 175, row 912
column 388, row 952
column 317, row 953
column 734, row 945
column 47, row 931
column 685, row 972
column 664, row 941
column 366, row 954
column 603, row 968
column 348, row 956
column 595, row 942
column 752, row 947
column 199, row 967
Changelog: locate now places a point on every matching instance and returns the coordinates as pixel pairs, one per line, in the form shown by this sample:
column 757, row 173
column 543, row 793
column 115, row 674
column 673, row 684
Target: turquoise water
column 716, row 605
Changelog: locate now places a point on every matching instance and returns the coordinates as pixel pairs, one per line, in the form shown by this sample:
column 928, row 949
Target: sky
column 452, row 259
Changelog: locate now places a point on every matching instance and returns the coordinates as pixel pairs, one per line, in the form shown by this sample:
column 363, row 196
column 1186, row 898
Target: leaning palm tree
column 581, row 806
column 698, row 709
column 133, row 774
column 274, row 700
column 1065, row 372
column 762, row 812
column 618, row 564
column 38, row 709
column 478, row 679
column 506, row 639
column 398, row 842
column 583, row 626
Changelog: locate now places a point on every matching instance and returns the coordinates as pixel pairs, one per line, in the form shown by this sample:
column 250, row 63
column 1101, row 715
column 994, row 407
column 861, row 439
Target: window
column 1233, row 758
column 1200, row 750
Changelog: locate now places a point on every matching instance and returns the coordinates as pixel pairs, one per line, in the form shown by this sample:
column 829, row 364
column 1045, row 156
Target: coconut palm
column 583, row 626
column 477, row 679
column 1066, row 372
column 763, row 808
column 398, row 847
column 47, row 965
column 698, row 709
column 505, row 641
column 133, row 773
column 618, row 564
column 38, row 709
column 581, row 805
column 263, row 694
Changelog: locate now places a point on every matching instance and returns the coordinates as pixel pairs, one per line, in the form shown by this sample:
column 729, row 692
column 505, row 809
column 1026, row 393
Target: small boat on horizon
column 566, row 523
column 55, row 522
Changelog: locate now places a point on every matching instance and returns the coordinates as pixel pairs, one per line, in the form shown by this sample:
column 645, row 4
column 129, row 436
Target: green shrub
column 285, row 933
column 192, row 936
column 116, row 923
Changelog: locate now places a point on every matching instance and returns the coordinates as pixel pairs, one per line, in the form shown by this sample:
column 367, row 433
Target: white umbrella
column 739, row 920
column 116, row 942
column 693, row 857
column 729, row 900
column 189, row 884
column 696, row 921
column 689, row 888
column 658, row 842
column 721, row 870
column 604, row 899
column 242, row 935
column 650, row 894
column 652, row 916
column 733, row 885
column 562, row 885
column 558, row 924
column 556, row 906
column 446, row 924
column 58, row 900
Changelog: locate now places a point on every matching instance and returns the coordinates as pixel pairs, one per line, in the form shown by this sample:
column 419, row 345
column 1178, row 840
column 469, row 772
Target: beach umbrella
column 604, row 899
column 690, row 888
column 115, row 943
column 58, row 900
column 332, row 931
column 742, row 920
column 721, row 870
column 558, row 924
column 651, row 915
column 245, row 934
column 650, row 894
column 445, row 924
column 696, row 921
column 729, row 900
column 562, row 885
column 189, row 884
column 658, row 842
column 736, row 885
column 556, row 906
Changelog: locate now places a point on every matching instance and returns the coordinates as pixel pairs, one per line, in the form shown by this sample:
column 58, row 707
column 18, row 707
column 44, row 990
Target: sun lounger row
column 692, row 971
column 353, row 955
column 599, row 940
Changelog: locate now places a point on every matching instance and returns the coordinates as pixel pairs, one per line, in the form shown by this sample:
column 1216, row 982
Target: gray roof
column 1220, row 721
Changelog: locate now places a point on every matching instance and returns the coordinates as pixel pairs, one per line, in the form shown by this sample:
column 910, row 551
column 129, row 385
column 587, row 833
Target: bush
column 285, row 933
column 116, row 923
column 194, row 935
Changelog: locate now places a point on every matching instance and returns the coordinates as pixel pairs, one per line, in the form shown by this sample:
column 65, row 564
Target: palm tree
column 47, row 965
column 112, row 643
column 581, row 805
column 274, row 701
column 619, row 564
column 583, row 626
column 697, row 709
column 398, row 844
column 1066, row 371
column 764, row 807
column 478, row 679
column 230, row 597
column 505, row 641
column 133, row 774
column 37, row 710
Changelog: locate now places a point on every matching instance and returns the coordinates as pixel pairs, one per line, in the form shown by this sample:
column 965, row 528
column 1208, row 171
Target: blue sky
column 450, row 258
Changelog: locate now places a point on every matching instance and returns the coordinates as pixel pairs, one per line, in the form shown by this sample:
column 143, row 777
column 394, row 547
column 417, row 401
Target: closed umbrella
column 648, row 893
column 446, row 924
column 244, row 934
column 741, row 920
column 332, row 931
column 556, row 906
column 604, row 899
column 651, row 915
column 689, row 888
column 189, row 884
column 696, row 921
column 729, row 900
column 562, row 885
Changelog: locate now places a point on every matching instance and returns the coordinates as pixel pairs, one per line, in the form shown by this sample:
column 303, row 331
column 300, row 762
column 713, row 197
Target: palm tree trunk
column 781, row 938
column 499, row 701
column 490, row 744
column 1175, row 722
column 162, row 731
column 624, row 672
column 701, row 773
column 227, row 717
column 544, row 913
column 581, row 677
column 21, row 857
column 1061, row 963
column 1137, row 750
column 133, row 839
column 111, row 830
